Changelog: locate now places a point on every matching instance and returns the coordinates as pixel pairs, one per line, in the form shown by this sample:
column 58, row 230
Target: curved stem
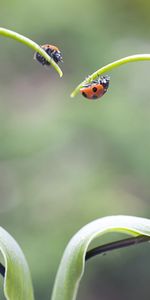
column 2, row 270
column 109, row 67
column 116, row 245
column 106, row 248
column 22, row 39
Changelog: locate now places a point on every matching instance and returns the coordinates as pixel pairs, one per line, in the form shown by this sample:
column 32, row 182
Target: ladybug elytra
column 95, row 89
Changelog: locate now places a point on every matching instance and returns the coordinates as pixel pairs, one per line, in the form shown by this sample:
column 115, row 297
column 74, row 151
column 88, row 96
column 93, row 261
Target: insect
column 95, row 89
column 52, row 51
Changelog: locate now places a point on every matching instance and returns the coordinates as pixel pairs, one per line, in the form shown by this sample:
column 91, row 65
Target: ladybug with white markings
column 52, row 51
column 95, row 89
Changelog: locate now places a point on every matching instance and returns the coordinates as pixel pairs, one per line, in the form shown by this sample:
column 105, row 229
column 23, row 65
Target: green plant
column 17, row 279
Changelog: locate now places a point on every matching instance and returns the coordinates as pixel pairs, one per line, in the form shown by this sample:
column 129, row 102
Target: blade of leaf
column 17, row 281
column 72, row 265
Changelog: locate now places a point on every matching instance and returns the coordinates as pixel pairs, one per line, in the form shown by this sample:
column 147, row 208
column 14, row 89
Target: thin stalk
column 109, row 67
column 26, row 41
column 106, row 248
column 2, row 270
column 117, row 245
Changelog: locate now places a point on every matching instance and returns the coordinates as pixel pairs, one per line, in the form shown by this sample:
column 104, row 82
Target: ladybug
column 52, row 51
column 95, row 89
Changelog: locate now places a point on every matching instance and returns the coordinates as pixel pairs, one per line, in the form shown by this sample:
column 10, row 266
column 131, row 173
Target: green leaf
column 17, row 280
column 71, row 268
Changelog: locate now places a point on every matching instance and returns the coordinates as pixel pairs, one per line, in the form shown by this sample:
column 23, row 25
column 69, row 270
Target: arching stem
column 109, row 67
column 117, row 245
column 26, row 41
column 2, row 270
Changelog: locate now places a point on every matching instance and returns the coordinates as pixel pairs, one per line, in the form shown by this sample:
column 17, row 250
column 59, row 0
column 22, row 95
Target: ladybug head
column 104, row 80
column 55, row 55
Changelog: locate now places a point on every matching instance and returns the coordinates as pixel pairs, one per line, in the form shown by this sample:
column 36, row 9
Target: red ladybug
column 95, row 89
column 52, row 51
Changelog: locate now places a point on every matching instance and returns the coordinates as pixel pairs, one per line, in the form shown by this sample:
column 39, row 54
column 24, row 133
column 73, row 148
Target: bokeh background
column 65, row 162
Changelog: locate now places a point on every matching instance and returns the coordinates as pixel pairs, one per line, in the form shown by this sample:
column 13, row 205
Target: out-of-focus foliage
column 65, row 162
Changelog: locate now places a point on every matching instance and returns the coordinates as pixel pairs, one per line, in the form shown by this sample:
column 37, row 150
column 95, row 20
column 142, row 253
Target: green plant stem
column 109, row 67
column 2, row 270
column 105, row 248
column 116, row 245
column 22, row 39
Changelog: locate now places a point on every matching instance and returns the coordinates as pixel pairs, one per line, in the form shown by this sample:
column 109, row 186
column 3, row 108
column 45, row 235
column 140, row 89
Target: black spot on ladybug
column 84, row 94
column 94, row 97
column 94, row 89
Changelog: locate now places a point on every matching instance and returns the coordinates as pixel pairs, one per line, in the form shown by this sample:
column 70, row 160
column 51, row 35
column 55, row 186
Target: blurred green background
column 65, row 162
